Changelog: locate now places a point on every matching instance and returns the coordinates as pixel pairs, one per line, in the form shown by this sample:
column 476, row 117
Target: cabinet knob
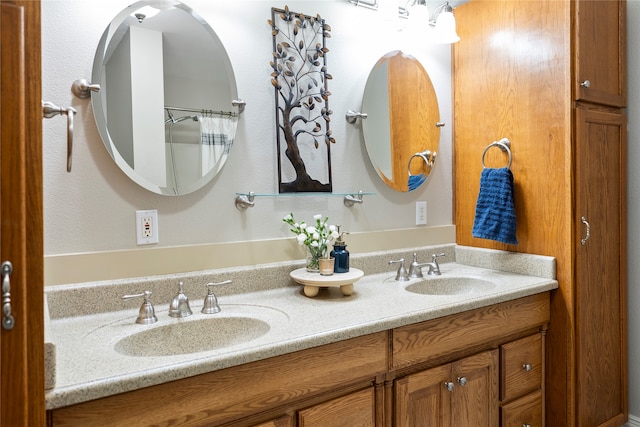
column 527, row 367
column 449, row 385
column 462, row 381
column 586, row 84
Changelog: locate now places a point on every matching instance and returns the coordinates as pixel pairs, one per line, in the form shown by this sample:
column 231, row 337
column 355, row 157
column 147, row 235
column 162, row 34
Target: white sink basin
column 187, row 336
column 450, row 285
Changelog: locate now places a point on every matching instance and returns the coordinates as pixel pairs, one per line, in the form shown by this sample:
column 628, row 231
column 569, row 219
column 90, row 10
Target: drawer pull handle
column 527, row 367
column 526, row 425
column 449, row 385
column 462, row 381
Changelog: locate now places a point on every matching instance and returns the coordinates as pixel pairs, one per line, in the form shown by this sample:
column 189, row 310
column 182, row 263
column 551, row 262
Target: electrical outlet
column 147, row 227
column 421, row 213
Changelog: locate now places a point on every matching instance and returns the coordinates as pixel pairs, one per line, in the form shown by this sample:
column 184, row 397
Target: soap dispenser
column 340, row 253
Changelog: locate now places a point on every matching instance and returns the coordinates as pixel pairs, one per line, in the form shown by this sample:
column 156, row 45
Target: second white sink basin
column 450, row 285
column 192, row 336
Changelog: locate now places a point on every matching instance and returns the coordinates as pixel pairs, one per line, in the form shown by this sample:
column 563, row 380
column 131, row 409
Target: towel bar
column 504, row 144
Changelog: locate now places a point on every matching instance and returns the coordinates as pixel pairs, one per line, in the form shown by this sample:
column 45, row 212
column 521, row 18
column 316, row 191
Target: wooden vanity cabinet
column 520, row 72
column 496, row 370
column 601, row 332
column 600, row 52
column 522, row 382
column 453, row 369
column 266, row 391
column 355, row 409
column 461, row 393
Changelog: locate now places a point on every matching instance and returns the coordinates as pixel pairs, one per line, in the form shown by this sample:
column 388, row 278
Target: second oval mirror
column 166, row 111
column 402, row 129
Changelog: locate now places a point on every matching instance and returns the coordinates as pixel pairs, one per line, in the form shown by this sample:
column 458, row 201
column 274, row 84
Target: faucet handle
column 435, row 269
column 147, row 314
column 434, row 257
column 179, row 306
column 210, row 301
column 401, row 275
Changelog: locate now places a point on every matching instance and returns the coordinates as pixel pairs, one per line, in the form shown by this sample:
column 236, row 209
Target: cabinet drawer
column 526, row 411
column 440, row 337
column 520, row 367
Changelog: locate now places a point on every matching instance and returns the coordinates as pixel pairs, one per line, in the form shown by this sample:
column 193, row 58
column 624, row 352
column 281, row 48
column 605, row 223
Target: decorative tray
column 314, row 281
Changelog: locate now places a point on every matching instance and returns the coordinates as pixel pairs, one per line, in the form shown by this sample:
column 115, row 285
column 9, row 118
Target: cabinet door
column 462, row 393
column 285, row 421
column 600, row 35
column 423, row 400
column 600, row 268
column 353, row 410
column 475, row 399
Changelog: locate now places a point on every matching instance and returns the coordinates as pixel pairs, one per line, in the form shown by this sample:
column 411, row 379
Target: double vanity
column 469, row 343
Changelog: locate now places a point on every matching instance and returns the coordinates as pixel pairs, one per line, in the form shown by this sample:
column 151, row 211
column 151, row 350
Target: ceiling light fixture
column 445, row 24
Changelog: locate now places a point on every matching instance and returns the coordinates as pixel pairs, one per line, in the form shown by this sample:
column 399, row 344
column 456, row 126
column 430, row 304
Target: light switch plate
column 421, row 213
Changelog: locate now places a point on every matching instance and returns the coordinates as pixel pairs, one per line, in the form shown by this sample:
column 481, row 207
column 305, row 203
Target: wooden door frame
column 22, row 361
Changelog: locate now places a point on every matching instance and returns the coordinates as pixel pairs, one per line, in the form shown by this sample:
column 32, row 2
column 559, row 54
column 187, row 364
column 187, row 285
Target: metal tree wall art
column 302, row 101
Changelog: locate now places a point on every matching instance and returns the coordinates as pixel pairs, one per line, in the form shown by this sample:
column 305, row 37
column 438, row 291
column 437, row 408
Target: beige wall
column 90, row 212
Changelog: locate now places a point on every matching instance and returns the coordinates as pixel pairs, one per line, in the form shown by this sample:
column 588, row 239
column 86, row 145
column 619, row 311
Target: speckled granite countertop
column 88, row 366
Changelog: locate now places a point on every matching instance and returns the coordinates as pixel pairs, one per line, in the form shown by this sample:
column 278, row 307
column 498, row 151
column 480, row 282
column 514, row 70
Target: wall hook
column 50, row 110
column 352, row 116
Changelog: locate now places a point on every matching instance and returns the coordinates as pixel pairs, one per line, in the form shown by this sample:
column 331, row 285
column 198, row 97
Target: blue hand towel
column 416, row 181
column 495, row 211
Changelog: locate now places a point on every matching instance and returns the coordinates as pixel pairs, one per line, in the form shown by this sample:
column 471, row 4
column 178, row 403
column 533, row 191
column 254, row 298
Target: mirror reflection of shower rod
column 203, row 111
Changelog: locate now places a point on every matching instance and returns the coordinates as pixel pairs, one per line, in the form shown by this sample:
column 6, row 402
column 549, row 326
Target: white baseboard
column 633, row 421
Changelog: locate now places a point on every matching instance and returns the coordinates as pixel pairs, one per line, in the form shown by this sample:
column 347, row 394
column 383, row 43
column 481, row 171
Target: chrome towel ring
column 504, row 144
column 426, row 155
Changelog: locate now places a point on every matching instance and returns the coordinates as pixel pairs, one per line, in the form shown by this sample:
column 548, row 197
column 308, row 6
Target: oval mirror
column 165, row 111
column 402, row 129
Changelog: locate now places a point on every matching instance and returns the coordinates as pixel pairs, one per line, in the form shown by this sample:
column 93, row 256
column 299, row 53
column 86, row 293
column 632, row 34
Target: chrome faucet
column 179, row 306
column 401, row 275
column 415, row 270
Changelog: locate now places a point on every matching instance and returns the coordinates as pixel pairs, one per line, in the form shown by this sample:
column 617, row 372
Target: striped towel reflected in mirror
column 216, row 135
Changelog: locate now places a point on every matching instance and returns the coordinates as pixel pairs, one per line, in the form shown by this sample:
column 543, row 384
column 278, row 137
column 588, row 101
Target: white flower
column 316, row 237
